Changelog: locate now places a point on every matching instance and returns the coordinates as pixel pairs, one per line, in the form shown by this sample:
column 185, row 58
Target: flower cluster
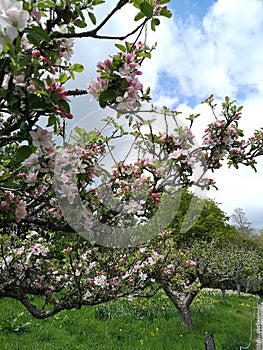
column 117, row 82
column 11, row 207
column 62, row 268
column 13, row 19
column 220, row 139
column 136, row 183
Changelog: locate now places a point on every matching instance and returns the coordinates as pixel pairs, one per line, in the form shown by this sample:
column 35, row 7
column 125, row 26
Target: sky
column 207, row 47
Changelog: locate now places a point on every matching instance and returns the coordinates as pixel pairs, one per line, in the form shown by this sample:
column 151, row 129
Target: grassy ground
column 148, row 324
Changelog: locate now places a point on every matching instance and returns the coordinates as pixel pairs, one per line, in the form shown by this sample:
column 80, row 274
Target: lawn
column 148, row 324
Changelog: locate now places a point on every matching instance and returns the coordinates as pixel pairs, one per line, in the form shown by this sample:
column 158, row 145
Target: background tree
column 241, row 222
column 224, row 263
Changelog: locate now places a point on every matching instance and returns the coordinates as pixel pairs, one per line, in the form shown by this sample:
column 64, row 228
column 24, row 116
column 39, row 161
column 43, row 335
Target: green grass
column 148, row 324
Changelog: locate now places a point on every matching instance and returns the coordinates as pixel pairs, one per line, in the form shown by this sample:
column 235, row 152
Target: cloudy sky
column 208, row 47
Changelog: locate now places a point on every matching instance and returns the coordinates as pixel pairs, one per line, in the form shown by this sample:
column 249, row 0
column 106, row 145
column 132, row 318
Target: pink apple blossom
column 41, row 138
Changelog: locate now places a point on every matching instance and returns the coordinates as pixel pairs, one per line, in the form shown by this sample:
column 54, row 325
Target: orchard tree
column 206, row 263
column 72, row 230
column 222, row 263
column 184, row 272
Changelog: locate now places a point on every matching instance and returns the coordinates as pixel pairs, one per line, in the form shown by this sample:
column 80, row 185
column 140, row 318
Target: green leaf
column 38, row 33
column 153, row 25
column 52, row 120
column 40, row 92
column 156, row 21
column 106, row 97
column 163, row 2
column 33, row 40
column 166, row 13
column 78, row 68
column 36, row 103
column 39, row 83
column 63, row 77
column 144, row 54
column 146, row 9
column 121, row 47
column 63, row 104
column 24, row 129
column 80, row 24
column 80, row 13
column 136, row 3
column 98, row 2
column 139, row 16
column 92, row 17
column 24, row 152
column 79, row 131
column 128, row 46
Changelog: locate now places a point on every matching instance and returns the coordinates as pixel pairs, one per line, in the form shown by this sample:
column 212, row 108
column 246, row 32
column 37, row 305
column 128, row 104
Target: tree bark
column 182, row 302
column 223, row 294
column 238, row 289
column 185, row 315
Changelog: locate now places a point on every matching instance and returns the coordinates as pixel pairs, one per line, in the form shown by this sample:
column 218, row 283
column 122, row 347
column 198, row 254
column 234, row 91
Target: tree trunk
column 223, row 294
column 182, row 302
column 247, row 287
column 238, row 289
column 185, row 315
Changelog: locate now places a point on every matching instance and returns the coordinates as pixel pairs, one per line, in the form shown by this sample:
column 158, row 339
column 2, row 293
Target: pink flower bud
column 36, row 53
column 108, row 62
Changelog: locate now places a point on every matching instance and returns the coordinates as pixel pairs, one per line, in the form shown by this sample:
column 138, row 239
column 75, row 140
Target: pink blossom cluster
column 48, row 273
column 135, row 181
column 219, row 132
column 12, row 207
column 221, row 139
column 118, row 77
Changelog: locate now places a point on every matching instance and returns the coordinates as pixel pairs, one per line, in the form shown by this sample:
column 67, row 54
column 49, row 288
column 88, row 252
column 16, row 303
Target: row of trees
column 74, row 231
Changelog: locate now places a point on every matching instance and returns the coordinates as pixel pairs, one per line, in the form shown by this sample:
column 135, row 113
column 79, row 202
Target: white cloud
column 217, row 54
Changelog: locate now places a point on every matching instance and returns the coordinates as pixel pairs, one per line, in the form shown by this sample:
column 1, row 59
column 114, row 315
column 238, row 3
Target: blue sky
column 186, row 8
column 208, row 47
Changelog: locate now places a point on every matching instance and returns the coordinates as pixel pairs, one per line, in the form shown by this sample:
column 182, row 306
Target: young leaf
column 92, row 17
column 121, row 47
column 139, row 16
column 52, row 120
column 153, row 25
column 63, row 77
column 146, row 9
column 166, row 13
column 80, row 24
column 78, row 68
column 144, row 54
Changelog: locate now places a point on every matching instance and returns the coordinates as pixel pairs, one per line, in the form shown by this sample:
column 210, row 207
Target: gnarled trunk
column 182, row 302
